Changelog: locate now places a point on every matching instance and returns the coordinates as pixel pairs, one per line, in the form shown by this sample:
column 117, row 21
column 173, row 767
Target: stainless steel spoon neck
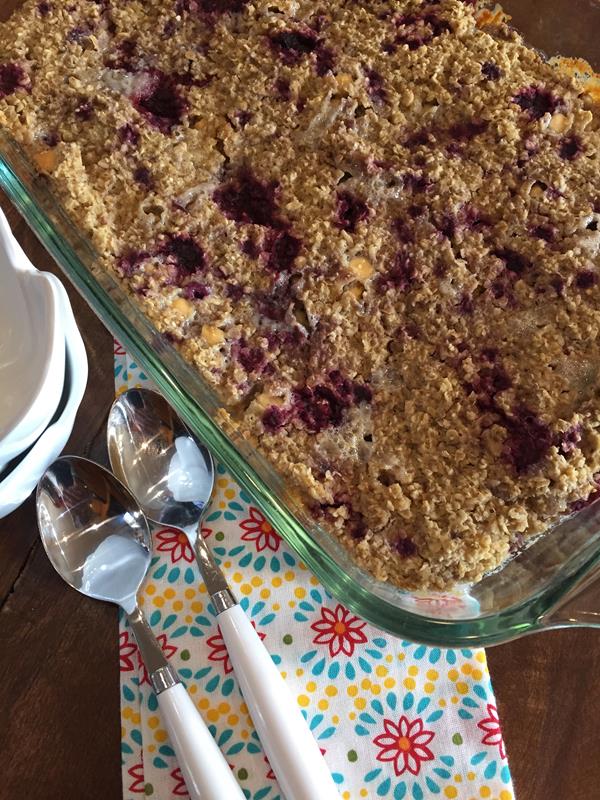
column 216, row 584
column 162, row 675
column 223, row 600
column 164, row 678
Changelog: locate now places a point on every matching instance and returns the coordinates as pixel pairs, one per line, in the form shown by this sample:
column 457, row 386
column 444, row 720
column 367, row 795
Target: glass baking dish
column 550, row 584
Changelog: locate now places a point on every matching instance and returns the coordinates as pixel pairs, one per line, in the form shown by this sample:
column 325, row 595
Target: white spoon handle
column 207, row 775
column 291, row 749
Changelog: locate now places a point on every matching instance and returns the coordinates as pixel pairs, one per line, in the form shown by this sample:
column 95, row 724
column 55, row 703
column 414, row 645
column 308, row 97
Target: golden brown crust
column 372, row 227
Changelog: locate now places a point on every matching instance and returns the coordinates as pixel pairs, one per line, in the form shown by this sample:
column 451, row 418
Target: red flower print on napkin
column 340, row 630
column 119, row 350
column 493, row 732
column 218, row 651
column 168, row 649
column 174, row 542
column 404, row 744
column 127, row 648
column 259, row 531
column 137, row 773
column 180, row 789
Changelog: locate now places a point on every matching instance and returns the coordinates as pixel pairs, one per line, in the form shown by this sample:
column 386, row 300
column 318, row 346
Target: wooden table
column 59, row 682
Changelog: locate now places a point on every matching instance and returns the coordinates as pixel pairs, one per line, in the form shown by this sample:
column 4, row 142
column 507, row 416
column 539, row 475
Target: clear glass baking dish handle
column 579, row 607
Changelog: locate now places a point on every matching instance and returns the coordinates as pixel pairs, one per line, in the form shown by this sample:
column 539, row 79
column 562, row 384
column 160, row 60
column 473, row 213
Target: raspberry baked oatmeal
column 371, row 226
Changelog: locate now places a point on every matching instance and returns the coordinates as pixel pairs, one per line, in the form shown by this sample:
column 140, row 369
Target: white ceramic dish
column 32, row 352
column 20, row 478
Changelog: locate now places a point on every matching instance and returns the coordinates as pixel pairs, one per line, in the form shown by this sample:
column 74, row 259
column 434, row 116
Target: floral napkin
column 393, row 719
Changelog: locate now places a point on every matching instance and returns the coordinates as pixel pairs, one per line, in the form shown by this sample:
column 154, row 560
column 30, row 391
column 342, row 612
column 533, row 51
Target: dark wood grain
column 548, row 701
column 59, row 680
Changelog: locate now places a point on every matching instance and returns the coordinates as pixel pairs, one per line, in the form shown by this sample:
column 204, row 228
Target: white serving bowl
column 20, row 477
column 32, row 351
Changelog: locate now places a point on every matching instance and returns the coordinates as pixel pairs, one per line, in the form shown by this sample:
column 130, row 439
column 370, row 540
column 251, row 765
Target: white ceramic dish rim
column 20, row 482
column 32, row 366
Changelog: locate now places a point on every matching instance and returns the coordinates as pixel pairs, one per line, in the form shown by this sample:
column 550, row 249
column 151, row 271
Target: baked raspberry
column 467, row 218
column 218, row 7
column 472, row 219
column 250, row 248
column 410, row 330
column 325, row 61
column 12, row 78
column 84, row 110
column 143, row 176
column 318, row 407
column 568, row 440
column 491, row 71
column 243, row 118
column 537, row 101
column 292, row 46
column 194, row 290
column 405, row 547
column 282, row 89
column 350, row 210
column 51, row 138
column 124, row 56
column 502, row 288
column 44, row 8
column 416, row 183
column 127, row 134
column 468, row 129
column 252, row 359
column 420, row 138
column 400, row 276
column 558, row 284
column 280, row 250
column 169, row 29
column 416, row 30
column 127, row 264
column 356, row 525
column 517, row 544
column 160, row 101
column 234, row 291
column 186, row 253
column 489, row 354
column 546, row 233
column 528, row 441
column 585, row 279
column 490, row 382
column 275, row 417
column 274, row 304
column 465, row 304
column 375, row 85
column 324, row 406
column 570, row 148
column 591, row 497
column 513, row 261
column 405, row 232
column 78, row 33
column 247, row 199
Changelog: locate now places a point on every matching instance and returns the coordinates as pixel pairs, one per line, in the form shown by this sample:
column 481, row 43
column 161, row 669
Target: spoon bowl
column 168, row 470
column 93, row 530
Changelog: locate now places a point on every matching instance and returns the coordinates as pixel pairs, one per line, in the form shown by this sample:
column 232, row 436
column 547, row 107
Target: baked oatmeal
column 373, row 229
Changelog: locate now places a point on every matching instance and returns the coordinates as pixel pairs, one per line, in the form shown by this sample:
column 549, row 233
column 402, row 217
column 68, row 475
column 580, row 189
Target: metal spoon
column 171, row 473
column 98, row 540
